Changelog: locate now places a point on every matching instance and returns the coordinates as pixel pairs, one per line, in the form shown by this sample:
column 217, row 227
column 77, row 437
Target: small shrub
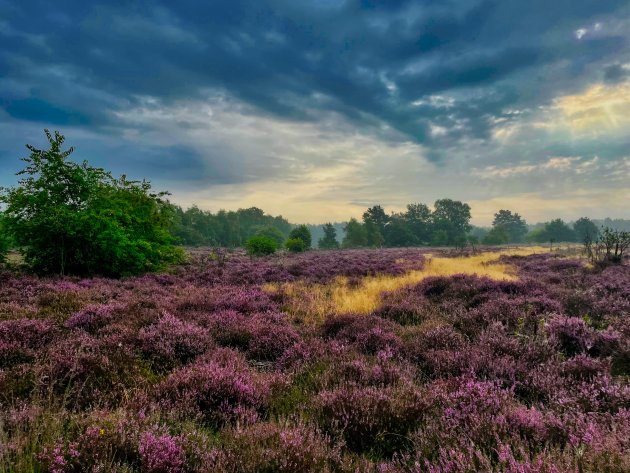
column 301, row 232
column 222, row 390
column 171, row 341
column 160, row 454
column 296, row 245
column 260, row 246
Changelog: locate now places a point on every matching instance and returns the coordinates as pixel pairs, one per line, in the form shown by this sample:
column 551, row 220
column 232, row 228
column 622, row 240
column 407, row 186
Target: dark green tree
column 329, row 240
column 418, row 220
column 375, row 219
column 513, row 225
column 301, row 232
column 355, row 235
column 553, row 231
column 585, row 230
column 398, row 233
column 497, row 236
column 71, row 218
column 452, row 219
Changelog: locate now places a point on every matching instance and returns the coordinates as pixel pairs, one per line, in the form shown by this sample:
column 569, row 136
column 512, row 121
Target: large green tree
column 418, row 220
column 451, row 220
column 375, row 219
column 585, row 230
column 71, row 218
column 553, row 231
column 355, row 235
column 398, row 233
column 512, row 224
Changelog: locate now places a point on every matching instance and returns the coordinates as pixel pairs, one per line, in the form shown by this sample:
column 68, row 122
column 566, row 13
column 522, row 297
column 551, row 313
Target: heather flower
column 171, row 341
column 219, row 390
column 160, row 454
column 21, row 339
column 93, row 316
column 279, row 448
column 571, row 334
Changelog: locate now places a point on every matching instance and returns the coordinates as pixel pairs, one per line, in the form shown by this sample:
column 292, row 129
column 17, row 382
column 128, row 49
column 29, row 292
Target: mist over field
column 343, row 236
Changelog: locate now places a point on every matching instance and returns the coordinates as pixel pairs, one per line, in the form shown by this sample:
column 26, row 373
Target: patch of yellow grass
column 312, row 303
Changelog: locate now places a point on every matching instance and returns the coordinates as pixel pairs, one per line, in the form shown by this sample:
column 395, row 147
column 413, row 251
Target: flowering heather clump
column 206, row 369
column 21, row 339
column 160, row 454
column 93, row 317
column 279, row 448
column 220, row 391
column 170, row 341
column 571, row 334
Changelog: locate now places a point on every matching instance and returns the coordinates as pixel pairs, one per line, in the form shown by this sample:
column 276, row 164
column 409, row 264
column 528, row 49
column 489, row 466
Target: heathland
column 389, row 360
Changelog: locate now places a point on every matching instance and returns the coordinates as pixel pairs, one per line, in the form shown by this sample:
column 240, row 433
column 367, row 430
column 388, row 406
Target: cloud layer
column 316, row 109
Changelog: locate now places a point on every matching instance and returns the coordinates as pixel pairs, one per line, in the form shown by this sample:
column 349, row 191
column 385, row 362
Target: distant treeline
column 446, row 224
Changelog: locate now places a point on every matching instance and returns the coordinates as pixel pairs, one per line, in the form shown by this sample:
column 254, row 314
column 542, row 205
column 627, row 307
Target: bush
column 273, row 233
column 260, row 246
column 301, row 232
column 296, row 245
column 71, row 218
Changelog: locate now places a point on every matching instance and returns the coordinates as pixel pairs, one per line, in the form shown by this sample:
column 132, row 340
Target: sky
column 317, row 109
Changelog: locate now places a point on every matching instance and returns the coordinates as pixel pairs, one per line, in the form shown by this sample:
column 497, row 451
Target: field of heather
column 392, row 360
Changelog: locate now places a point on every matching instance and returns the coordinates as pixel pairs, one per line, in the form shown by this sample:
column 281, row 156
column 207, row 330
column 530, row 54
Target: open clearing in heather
column 312, row 303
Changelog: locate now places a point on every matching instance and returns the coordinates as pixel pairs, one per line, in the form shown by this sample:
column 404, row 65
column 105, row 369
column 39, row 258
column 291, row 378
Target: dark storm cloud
column 616, row 73
column 79, row 63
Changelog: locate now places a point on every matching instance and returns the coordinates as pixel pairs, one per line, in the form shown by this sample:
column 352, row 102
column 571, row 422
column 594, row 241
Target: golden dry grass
column 312, row 303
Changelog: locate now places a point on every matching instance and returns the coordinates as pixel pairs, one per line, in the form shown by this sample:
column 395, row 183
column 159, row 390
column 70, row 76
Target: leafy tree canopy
column 71, row 218
column 496, row 236
column 452, row 219
column 513, row 225
column 356, row 236
column 585, row 230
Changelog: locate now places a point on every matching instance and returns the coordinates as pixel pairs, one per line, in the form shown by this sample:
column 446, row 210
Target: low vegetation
column 500, row 361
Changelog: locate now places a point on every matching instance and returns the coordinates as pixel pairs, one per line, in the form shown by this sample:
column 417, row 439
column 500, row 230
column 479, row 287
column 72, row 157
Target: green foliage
column 296, row 245
column 71, row 218
column 329, row 240
column 375, row 219
column 418, row 221
column 452, row 219
column 398, row 233
column 585, row 230
column 195, row 227
column 513, row 225
column 273, row 233
column 4, row 240
column 496, row 236
column 356, row 236
column 301, row 232
column 440, row 238
column 261, row 245
column 553, row 231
